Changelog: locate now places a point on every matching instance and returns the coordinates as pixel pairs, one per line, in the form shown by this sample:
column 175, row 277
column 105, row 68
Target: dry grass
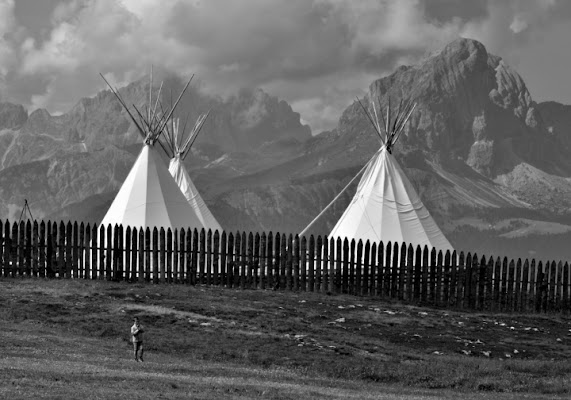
column 69, row 339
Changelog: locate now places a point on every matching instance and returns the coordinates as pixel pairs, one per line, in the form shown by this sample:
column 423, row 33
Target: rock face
column 487, row 161
column 78, row 160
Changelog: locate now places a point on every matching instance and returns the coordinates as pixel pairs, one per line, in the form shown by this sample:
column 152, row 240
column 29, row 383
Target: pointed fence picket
column 277, row 261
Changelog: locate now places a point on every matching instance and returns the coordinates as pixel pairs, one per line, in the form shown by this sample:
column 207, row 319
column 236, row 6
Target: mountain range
column 489, row 162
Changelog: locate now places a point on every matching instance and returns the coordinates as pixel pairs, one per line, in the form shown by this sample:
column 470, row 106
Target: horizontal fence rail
column 283, row 262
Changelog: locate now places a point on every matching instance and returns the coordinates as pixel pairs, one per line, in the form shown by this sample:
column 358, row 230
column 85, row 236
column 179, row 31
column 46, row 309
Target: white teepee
column 179, row 147
column 149, row 196
column 385, row 206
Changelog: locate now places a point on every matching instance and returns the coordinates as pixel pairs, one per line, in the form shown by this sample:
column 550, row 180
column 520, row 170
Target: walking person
column 137, row 338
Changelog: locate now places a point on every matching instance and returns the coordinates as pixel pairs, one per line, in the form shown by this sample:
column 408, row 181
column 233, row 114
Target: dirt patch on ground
column 312, row 334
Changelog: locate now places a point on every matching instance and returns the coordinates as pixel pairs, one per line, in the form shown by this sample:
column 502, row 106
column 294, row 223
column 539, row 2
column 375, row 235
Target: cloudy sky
column 316, row 54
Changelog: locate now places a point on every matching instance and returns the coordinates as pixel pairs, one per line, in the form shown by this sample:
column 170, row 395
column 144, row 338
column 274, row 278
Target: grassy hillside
column 69, row 339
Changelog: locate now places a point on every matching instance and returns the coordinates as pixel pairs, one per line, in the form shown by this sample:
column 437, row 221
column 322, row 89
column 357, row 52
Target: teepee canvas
column 179, row 147
column 385, row 206
column 149, row 196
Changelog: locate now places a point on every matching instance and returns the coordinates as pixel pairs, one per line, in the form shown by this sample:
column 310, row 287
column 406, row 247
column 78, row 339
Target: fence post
column 538, row 287
column 417, row 273
column 277, row 262
column 366, row 268
column 439, row 278
column 558, row 287
column 250, row 262
column 243, row 265
column 323, row 270
column 120, row 255
column 97, row 255
column 81, row 251
column 504, row 285
column 162, row 256
column 296, row 257
column 208, row 268
column 256, row 265
column 129, row 269
column 223, row 258
column 49, row 249
column 552, row 284
column 22, row 250
column 270, row 260
column 289, row 265
column 187, row 266
column 303, row 264
column 358, row 268
column 409, row 273
column 155, row 266
column 6, row 245
column 489, row 276
column 230, row 260
column 345, row 267
column 446, row 278
column 318, row 262
column 2, row 244
column 379, row 269
column 76, row 248
column 176, row 255
column 460, row 276
column 311, row 263
column 194, row 262
column 169, row 278
column 467, row 299
column 208, row 258
column 338, row 266
column 453, row 278
column 87, row 270
column 41, row 249
column 263, row 260
column 283, row 261
column 202, row 258
column 402, row 269
column 216, row 258
column 14, row 250
column 565, row 301
column 432, row 277
column 525, row 286
column 425, row 266
column 60, row 251
column 394, row 271
column 35, row 250
column 387, row 270
column 517, row 286
column 115, row 254
column 144, row 255
column 353, row 245
column 373, row 266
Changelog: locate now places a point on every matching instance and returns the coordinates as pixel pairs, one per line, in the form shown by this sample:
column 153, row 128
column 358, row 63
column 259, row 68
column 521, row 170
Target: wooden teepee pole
column 339, row 195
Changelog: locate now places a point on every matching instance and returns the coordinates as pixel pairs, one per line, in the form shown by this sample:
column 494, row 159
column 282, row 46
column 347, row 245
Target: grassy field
column 70, row 339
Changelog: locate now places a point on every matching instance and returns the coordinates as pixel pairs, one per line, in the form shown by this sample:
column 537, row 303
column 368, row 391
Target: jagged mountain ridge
column 97, row 128
column 484, row 157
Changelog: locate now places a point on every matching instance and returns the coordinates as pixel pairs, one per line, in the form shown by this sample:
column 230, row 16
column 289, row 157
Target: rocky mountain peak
column 12, row 116
column 471, row 106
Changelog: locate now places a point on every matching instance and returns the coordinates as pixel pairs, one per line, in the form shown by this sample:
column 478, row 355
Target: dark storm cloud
column 316, row 54
column 444, row 11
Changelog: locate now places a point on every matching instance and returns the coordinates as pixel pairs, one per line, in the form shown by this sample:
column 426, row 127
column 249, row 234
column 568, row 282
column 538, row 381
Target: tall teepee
column 178, row 145
column 149, row 196
column 385, row 206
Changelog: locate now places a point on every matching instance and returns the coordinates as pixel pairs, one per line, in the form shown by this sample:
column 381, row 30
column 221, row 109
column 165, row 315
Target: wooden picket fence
column 283, row 262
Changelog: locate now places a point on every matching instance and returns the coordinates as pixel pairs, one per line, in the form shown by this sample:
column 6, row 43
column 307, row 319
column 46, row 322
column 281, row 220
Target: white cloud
column 316, row 54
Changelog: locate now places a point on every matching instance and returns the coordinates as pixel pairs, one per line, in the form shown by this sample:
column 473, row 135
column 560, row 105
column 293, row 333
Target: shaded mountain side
column 487, row 161
column 62, row 180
